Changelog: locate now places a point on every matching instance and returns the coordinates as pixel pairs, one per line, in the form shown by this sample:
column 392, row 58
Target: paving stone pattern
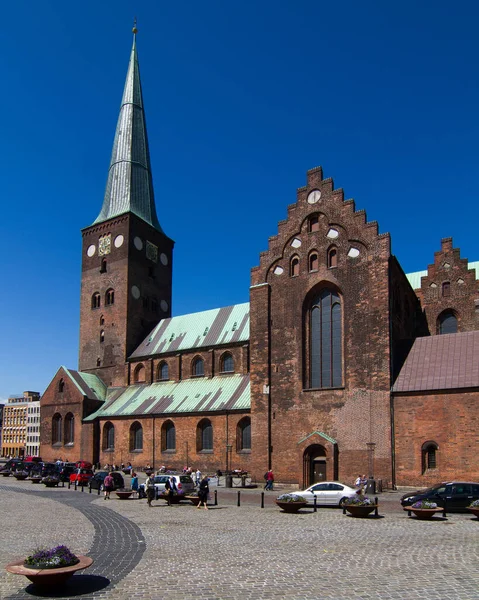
column 253, row 553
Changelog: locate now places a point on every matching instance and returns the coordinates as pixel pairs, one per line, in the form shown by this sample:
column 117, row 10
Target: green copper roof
column 89, row 385
column 129, row 186
column 229, row 392
column 415, row 278
column 197, row 330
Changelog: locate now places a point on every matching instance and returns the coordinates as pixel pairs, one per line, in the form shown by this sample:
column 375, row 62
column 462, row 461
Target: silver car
column 184, row 483
column 328, row 493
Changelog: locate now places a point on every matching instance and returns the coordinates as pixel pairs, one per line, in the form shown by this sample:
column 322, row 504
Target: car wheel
column 341, row 502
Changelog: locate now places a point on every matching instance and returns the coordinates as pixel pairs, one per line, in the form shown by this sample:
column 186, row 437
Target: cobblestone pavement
column 247, row 552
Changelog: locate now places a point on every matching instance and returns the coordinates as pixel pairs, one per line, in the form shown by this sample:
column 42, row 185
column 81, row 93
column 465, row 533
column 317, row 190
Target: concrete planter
column 48, row 577
column 291, row 507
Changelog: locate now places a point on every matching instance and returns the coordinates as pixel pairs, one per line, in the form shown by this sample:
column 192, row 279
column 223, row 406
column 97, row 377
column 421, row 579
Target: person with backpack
column 269, row 477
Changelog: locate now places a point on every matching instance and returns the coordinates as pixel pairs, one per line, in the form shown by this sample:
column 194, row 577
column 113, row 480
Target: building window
column 204, row 436
column 313, row 261
column 109, row 436
column 446, row 289
column 163, row 374
column 69, row 429
column 57, row 429
column 447, row 323
column 103, row 266
column 313, row 223
column 102, row 320
column 61, row 385
column 198, row 368
column 243, row 434
column 102, row 336
column 136, row 437
column 168, row 437
column 227, row 363
column 294, row 268
column 110, row 297
column 325, row 340
column 139, row 374
column 332, row 258
column 429, row 456
column 95, row 300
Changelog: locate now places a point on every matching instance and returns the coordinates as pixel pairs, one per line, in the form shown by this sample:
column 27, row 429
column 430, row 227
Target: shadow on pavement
column 75, row 586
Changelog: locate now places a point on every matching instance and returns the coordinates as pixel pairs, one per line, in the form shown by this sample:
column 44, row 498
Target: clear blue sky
column 241, row 99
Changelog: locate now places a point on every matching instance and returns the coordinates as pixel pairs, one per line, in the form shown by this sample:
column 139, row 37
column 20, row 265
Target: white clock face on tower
column 135, row 292
column 119, row 241
column 314, row 196
column 138, row 243
column 164, row 259
column 91, row 250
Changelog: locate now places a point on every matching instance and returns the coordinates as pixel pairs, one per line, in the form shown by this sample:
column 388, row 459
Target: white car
column 329, row 493
column 184, row 483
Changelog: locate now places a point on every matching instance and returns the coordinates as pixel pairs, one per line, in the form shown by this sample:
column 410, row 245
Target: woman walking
column 203, row 492
column 109, row 486
column 134, row 483
column 150, row 488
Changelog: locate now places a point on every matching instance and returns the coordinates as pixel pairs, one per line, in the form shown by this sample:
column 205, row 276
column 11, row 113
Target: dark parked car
column 454, row 495
column 66, row 471
column 96, row 482
column 50, row 469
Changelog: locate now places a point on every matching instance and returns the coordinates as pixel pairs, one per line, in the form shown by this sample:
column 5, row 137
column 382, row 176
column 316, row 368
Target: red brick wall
column 224, row 432
column 356, row 412
column 128, row 321
column 450, row 419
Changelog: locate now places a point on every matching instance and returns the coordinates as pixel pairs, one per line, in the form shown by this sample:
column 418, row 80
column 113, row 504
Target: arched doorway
column 314, row 465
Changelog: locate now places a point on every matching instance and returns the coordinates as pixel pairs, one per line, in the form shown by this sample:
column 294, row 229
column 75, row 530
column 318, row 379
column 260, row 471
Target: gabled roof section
column 208, row 328
column 197, row 395
column 129, row 186
column 441, row 362
column 89, row 385
column 415, row 278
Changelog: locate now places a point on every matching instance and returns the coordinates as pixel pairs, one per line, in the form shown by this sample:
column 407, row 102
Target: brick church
column 339, row 364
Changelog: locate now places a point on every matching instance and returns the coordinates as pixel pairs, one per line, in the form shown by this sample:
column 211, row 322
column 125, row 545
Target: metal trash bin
column 379, row 486
column 371, row 486
column 229, row 481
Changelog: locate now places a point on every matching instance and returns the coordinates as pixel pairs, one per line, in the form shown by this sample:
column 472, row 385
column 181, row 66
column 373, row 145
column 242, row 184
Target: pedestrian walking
column 170, row 489
column 193, row 477
column 269, row 476
column 150, row 488
column 109, row 486
column 134, row 483
column 198, row 477
column 203, row 492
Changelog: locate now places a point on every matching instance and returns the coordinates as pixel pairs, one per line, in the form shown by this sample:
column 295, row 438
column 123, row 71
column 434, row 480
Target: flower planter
column 48, row 577
column 35, row 479
column 194, row 499
column 291, row 507
column 20, row 476
column 474, row 510
column 50, row 483
column 425, row 514
column 124, row 494
column 360, row 511
column 6, row 473
column 173, row 499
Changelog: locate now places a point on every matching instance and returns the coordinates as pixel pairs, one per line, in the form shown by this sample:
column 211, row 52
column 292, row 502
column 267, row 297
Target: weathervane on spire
column 134, row 30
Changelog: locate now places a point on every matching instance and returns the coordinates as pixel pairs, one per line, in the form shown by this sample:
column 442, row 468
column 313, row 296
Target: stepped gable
column 339, row 225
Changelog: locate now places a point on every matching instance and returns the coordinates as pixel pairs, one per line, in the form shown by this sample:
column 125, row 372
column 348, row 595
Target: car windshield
column 435, row 489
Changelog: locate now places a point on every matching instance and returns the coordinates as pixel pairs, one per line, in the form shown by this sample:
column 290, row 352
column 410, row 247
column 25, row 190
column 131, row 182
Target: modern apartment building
column 21, row 425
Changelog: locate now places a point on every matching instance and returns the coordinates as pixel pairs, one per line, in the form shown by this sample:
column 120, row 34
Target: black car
column 50, row 469
column 66, row 471
column 96, row 482
column 454, row 495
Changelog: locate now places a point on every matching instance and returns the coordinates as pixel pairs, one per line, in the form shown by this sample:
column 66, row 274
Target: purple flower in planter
column 60, row 556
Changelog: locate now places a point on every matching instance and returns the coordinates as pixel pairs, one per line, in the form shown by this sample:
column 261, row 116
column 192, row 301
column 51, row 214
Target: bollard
column 262, row 499
column 315, row 504
column 239, row 500
column 89, row 489
column 344, row 510
column 82, row 486
column 98, row 490
column 444, row 511
column 76, row 485
column 63, row 483
column 376, row 510
column 69, row 484
column 216, row 497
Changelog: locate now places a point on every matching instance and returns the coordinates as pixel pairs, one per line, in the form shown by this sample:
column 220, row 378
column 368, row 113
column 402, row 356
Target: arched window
column 102, row 336
column 446, row 289
column 69, row 435
column 313, row 261
column 447, row 322
column 103, row 266
column 243, row 434
column 429, row 456
column 110, row 297
column 204, row 436
column 325, row 340
column 95, row 300
column 294, row 267
column 108, row 436
column 163, row 374
column 227, row 363
column 168, row 436
column 198, row 367
column 136, row 437
column 57, row 429
column 61, row 385
column 313, row 223
column 139, row 374
column 332, row 258
column 102, row 320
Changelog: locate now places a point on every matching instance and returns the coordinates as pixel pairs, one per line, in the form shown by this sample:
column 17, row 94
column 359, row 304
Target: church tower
column 126, row 256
